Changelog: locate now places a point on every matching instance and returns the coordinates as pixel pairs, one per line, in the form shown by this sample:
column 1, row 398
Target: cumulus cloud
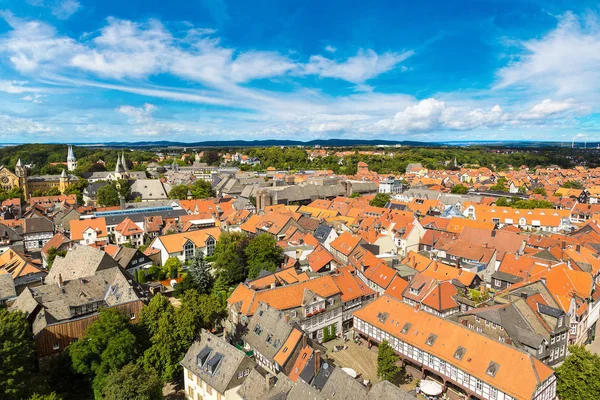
column 138, row 114
column 330, row 49
column 431, row 114
column 565, row 61
column 17, row 125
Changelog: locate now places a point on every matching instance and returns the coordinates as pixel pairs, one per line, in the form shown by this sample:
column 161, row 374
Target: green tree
column 355, row 195
column 500, row 186
column 179, row 192
column 132, row 382
column 17, row 357
column 459, row 189
column 150, row 315
column 77, row 189
column 52, row 253
column 108, row 345
column 172, row 264
column 52, row 192
column 578, row 375
column 540, row 191
column 201, row 189
column 380, row 200
column 230, row 257
column 141, row 276
column 123, row 186
column 199, row 272
column 198, row 311
column 108, row 196
column 166, row 348
column 210, row 157
column 49, row 396
column 573, row 185
column 387, row 359
column 262, row 253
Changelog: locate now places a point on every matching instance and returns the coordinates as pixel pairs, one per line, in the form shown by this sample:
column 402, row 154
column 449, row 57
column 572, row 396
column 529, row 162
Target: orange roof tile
column 519, row 374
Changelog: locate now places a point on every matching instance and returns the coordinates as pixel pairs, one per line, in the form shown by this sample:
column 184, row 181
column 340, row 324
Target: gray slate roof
column 108, row 287
column 225, row 376
column 7, row 287
column 79, row 262
column 274, row 330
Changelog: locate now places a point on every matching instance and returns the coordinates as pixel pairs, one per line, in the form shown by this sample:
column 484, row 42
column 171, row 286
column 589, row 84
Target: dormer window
column 460, row 353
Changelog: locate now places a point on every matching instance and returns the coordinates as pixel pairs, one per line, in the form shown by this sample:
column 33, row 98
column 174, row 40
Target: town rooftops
column 174, row 243
column 283, row 297
column 516, row 373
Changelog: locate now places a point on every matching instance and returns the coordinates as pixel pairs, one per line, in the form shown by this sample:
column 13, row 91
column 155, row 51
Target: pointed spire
column 19, row 163
column 70, row 155
column 118, row 167
column 63, row 174
column 124, row 163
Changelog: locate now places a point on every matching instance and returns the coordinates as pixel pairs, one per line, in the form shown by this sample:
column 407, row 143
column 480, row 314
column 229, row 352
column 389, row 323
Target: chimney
column 269, row 381
column 303, row 340
column 317, row 361
column 60, row 280
column 564, row 245
column 122, row 202
column 578, row 248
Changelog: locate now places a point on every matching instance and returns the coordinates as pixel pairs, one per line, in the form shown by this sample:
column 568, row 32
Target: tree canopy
column 108, row 196
column 380, row 200
column 108, row 345
column 459, row 189
column 132, row 382
column 263, row 253
column 17, row 357
column 387, row 367
column 230, row 257
column 578, row 375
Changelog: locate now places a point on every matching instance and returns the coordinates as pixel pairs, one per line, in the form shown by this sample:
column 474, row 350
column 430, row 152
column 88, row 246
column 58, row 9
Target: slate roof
column 108, row 287
column 267, row 331
column 79, row 262
column 7, row 287
column 225, row 375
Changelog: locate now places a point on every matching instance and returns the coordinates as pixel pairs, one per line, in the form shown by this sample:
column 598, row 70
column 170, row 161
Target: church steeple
column 124, row 163
column 71, row 160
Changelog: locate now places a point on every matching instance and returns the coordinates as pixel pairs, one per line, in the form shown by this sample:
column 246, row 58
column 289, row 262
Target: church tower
column 63, row 181
column 71, row 160
column 21, row 172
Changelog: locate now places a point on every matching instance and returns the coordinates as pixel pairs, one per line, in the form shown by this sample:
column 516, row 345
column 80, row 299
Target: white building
column 390, row 185
column 214, row 370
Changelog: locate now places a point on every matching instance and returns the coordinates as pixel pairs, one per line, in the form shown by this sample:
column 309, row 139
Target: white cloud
column 330, row 49
column 34, row 98
column 565, row 62
column 13, row 87
column 365, row 65
column 17, row 125
column 61, row 9
column 550, row 107
column 138, row 114
column 34, row 46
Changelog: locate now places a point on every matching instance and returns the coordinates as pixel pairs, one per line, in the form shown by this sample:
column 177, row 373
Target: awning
column 430, row 388
column 350, row 372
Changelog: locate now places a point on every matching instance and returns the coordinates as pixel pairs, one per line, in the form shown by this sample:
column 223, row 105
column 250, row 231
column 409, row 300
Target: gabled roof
column 174, row 243
column 127, row 228
column 519, row 374
column 79, row 226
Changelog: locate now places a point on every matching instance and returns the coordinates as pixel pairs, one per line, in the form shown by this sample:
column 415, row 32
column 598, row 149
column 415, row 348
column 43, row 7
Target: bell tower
column 71, row 160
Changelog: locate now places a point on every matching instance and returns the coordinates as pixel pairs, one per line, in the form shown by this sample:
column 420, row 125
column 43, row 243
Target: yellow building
column 29, row 184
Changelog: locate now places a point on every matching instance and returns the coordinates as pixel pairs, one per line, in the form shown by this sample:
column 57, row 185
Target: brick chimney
column 317, row 361
column 269, row 381
column 60, row 280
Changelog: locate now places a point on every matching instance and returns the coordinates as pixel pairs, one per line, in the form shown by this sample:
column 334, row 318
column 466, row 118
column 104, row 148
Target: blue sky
column 96, row 71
